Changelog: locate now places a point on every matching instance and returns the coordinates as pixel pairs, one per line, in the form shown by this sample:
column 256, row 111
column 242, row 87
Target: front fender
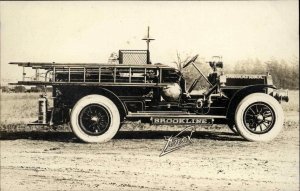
column 240, row 94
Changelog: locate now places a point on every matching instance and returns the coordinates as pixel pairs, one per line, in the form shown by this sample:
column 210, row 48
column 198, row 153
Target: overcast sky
column 90, row 31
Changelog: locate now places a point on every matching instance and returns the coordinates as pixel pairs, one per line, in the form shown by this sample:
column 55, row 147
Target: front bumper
column 280, row 95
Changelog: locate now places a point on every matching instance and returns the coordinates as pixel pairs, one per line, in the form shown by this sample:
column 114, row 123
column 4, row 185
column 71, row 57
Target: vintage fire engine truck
column 97, row 98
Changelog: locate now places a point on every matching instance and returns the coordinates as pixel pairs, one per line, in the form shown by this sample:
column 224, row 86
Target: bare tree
column 179, row 63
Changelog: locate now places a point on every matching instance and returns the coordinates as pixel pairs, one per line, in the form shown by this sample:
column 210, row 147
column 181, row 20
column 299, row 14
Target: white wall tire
column 259, row 117
column 95, row 119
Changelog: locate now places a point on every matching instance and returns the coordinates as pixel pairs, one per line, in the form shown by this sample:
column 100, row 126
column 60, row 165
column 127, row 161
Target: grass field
column 17, row 109
column 293, row 104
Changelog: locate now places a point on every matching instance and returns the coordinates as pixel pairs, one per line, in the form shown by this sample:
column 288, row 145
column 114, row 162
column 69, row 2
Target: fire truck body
column 96, row 98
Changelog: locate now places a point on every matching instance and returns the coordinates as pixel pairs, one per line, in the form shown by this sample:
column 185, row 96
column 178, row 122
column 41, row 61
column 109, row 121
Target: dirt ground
column 216, row 160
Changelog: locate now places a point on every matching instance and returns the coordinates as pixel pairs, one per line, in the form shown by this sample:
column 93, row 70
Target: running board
column 178, row 118
column 38, row 123
column 175, row 115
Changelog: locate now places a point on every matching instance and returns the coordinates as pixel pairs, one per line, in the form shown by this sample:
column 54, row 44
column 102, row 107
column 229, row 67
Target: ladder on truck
column 93, row 74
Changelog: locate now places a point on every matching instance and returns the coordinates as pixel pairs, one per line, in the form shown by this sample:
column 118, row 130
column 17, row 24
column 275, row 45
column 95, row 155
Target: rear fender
column 105, row 92
column 120, row 105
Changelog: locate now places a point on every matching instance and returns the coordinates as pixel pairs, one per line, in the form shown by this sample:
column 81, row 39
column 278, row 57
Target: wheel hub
column 259, row 118
column 95, row 119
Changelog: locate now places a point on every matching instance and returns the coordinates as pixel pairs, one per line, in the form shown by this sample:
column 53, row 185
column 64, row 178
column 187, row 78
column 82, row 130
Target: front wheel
column 259, row 117
column 95, row 119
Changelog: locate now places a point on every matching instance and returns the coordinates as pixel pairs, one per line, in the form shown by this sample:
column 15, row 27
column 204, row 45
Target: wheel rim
column 259, row 118
column 94, row 119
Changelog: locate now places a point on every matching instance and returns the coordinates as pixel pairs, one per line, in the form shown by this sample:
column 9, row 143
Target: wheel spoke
column 268, row 119
column 252, row 111
column 253, row 125
column 88, row 114
column 248, row 114
column 267, row 114
column 102, row 123
column 261, row 109
column 265, row 125
column 90, row 110
column 256, row 109
column 98, row 127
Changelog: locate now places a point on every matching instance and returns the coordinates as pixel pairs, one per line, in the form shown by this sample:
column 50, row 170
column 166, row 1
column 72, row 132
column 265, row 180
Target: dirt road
column 217, row 160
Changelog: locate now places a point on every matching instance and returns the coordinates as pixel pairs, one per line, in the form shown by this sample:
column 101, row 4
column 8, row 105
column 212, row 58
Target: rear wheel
column 259, row 117
column 95, row 118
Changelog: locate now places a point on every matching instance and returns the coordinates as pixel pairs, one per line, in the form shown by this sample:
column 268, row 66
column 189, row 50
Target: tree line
column 285, row 74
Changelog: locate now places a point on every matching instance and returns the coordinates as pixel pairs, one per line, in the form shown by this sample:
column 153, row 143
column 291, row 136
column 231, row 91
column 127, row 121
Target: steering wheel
column 191, row 61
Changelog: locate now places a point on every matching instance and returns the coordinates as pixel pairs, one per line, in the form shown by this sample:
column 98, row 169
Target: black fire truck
column 95, row 99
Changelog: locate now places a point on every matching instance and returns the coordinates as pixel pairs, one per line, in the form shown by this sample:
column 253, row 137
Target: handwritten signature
column 176, row 142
